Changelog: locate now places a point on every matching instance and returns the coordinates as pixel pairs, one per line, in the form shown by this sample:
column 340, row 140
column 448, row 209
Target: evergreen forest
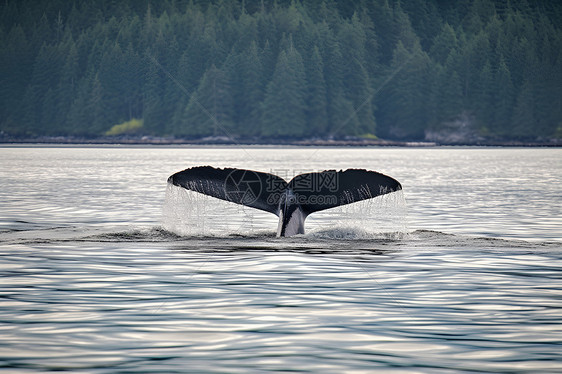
column 285, row 69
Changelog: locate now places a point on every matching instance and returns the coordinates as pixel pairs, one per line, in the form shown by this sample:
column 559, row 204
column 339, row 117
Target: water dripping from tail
column 193, row 214
column 382, row 217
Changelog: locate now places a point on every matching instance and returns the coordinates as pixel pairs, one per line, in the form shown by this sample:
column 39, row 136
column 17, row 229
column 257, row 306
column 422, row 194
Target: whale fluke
column 292, row 202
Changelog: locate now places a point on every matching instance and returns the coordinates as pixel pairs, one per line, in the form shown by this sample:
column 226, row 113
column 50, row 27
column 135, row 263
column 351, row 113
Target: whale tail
column 292, row 202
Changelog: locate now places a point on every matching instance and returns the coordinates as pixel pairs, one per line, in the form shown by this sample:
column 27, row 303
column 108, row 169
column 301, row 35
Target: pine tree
column 504, row 101
column 210, row 109
column 98, row 122
column 333, row 74
column 153, row 93
column 523, row 118
column 67, row 87
column 245, row 76
column 357, row 85
column 283, row 113
column 317, row 113
column 403, row 105
column 473, row 57
column 443, row 44
column 382, row 15
column 16, row 67
column 482, row 100
column 449, row 95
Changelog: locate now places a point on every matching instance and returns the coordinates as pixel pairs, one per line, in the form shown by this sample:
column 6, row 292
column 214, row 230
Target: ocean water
column 107, row 269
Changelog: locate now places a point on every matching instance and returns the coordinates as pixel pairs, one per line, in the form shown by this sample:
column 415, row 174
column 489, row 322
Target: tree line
column 281, row 69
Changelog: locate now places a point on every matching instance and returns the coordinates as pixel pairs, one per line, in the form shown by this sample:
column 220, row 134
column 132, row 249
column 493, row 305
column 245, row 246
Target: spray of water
column 189, row 213
column 381, row 217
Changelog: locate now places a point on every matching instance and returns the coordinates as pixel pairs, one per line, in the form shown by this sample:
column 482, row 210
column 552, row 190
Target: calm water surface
column 106, row 269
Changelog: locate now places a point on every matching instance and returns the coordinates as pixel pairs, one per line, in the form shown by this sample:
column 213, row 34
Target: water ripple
column 469, row 282
column 98, row 307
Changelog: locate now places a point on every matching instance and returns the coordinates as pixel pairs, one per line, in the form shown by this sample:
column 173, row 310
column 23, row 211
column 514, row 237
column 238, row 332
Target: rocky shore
column 431, row 141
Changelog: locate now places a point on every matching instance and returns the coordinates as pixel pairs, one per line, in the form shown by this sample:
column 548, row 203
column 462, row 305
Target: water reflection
column 236, row 306
column 91, row 283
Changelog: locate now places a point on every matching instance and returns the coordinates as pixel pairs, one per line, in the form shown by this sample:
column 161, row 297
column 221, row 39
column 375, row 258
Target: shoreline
column 221, row 141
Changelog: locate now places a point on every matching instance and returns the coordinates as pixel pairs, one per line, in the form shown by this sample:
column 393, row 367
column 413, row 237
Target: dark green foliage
column 404, row 104
column 210, row 109
column 281, row 69
column 284, row 111
column 316, row 104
